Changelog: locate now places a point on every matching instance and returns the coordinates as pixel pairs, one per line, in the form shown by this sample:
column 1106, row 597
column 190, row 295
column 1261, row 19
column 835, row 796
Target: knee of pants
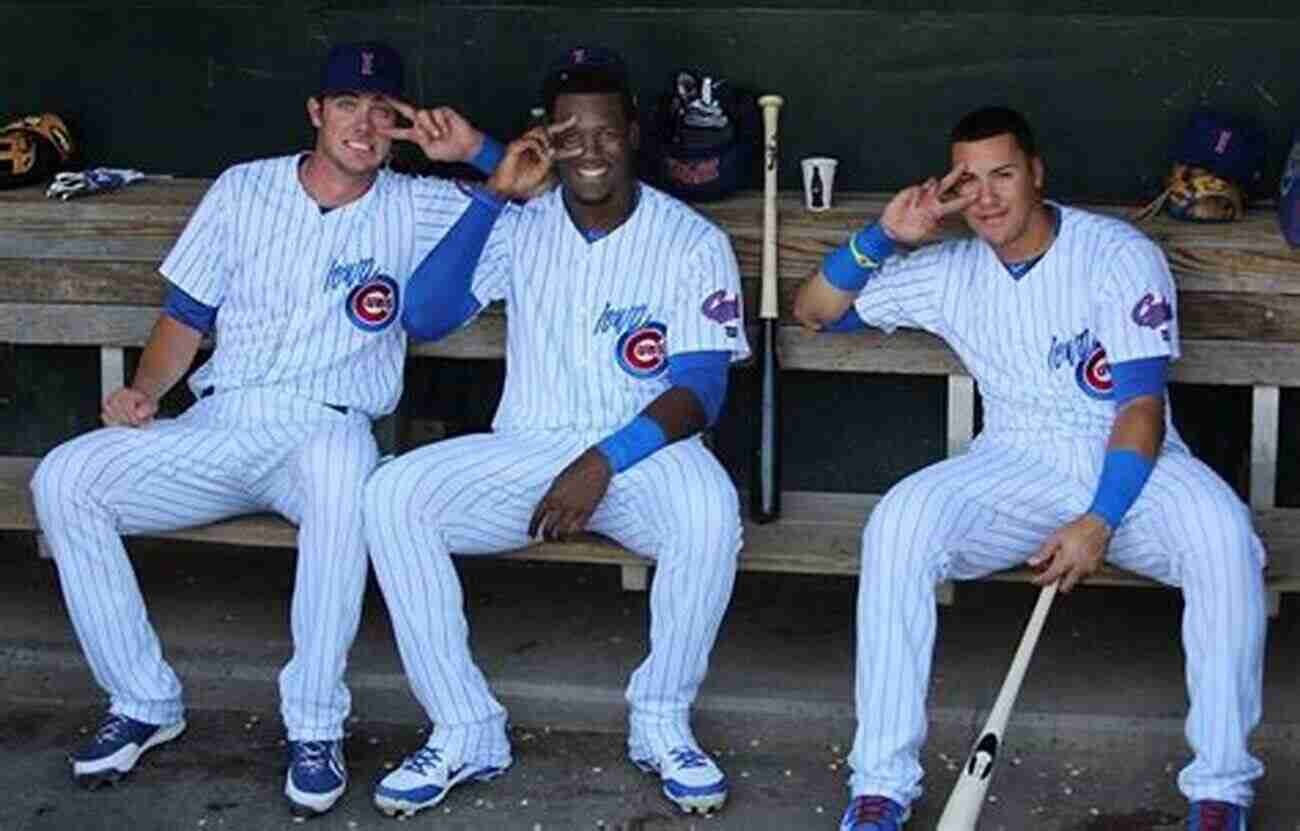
column 1220, row 548
column 384, row 502
column 60, row 479
column 714, row 535
column 901, row 535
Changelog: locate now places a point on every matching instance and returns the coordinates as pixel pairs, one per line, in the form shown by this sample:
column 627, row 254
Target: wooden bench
column 83, row 273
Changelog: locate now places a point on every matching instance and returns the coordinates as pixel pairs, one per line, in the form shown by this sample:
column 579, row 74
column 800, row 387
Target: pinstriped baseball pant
column 475, row 495
column 232, row 453
column 989, row 510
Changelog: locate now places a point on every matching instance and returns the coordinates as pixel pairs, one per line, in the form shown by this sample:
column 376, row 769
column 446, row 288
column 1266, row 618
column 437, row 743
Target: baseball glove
column 32, row 148
column 1198, row 195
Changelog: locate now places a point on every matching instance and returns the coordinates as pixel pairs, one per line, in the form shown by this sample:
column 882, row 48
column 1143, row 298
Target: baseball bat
column 765, row 488
column 967, row 798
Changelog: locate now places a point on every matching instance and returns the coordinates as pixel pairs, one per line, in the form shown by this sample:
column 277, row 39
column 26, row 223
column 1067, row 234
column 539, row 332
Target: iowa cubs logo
column 641, row 351
column 372, row 305
column 1093, row 375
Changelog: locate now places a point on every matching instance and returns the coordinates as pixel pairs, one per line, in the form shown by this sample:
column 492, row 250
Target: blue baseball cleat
column 873, row 813
column 424, row 779
column 116, row 746
column 1211, row 815
column 691, row 779
column 316, row 777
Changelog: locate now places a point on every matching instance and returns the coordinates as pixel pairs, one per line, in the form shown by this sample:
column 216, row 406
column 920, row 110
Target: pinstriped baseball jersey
column 591, row 324
column 1040, row 345
column 308, row 300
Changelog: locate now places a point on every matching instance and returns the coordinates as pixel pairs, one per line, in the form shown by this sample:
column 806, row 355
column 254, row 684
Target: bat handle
column 771, row 105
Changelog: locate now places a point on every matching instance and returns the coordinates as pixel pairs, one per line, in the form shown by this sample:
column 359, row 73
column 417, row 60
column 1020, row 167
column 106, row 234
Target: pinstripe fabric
column 474, row 495
column 307, row 301
column 307, row 304
column 1037, row 348
column 590, row 327
column 572, row 303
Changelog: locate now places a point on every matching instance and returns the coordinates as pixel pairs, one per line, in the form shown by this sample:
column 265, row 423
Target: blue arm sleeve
column 1145, row 376
column 180, row 306
column 438, row 296
column 850, row 321
column 1123, row 475
column 488, row 156
column 850, row 266
column 705, row 375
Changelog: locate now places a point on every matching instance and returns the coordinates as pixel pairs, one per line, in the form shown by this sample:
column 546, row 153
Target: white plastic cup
column 818, row 182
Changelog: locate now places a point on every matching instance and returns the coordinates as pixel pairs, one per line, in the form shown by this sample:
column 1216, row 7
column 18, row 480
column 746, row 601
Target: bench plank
column 818, row 533
column 1239, row 363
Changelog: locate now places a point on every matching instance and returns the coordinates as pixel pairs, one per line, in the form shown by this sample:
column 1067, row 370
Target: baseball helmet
column 32, row 149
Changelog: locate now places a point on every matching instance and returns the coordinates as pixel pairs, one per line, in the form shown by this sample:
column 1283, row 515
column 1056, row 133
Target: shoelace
column 112, row 727
column 311, row 755
column 1212, row 816
column 870, row 809
column 425, row 757
column 688, row 757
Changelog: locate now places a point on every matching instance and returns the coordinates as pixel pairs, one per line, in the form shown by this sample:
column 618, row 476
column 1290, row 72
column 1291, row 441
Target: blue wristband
column 850, row 266
column 1123, row 473
column 489, row 155
column 637, row 439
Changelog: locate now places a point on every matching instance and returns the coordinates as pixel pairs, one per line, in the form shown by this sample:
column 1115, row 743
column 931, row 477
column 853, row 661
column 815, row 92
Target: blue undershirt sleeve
column 705, row 375
column 1144, row 376
column 438, row 296
column 850, row 321
column 181, row 307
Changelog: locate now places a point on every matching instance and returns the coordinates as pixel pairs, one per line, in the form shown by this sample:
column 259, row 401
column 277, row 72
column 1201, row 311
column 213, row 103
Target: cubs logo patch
column 641, row 351
column 1093, row 375
column 372, row 305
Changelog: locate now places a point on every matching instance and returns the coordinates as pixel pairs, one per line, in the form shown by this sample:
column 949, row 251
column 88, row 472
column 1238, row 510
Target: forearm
column 828, row 293
column 168, row 354
column 1135, row 439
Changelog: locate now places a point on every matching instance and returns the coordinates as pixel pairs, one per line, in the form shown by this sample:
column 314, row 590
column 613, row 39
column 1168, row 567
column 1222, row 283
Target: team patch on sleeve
column 1153, row 311
column 641, row 351
column 372, row 305
column 724, row 309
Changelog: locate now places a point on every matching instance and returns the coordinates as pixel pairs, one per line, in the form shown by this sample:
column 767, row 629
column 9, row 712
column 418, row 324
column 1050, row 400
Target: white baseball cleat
column 691, row 779
column 424, row 779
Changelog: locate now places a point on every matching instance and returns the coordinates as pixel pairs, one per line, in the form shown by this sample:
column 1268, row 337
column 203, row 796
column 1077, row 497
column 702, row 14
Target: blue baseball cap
column 362, row 67
column 586, row 69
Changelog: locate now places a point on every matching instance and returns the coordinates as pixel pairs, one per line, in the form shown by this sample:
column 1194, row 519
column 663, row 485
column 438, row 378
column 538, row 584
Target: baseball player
column 1067, row 321
column 296, row 266
column 624, row 315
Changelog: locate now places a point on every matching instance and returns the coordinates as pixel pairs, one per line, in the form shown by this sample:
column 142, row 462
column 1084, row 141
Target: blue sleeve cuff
column 489, row 155
column 1123, row 475
column 850, row 321
column 638, row 439
column 1145, row 376
column 180, row 306
column 705, row 375
column 848, row 267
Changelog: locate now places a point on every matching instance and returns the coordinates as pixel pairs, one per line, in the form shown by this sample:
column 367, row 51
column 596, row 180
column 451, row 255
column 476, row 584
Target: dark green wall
column 190, row 87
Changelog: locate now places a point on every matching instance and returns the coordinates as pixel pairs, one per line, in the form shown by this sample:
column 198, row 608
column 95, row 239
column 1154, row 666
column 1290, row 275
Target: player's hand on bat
column 572, row 497
column 128, row 407
column 526, row 166
column 1073, row 553
column 915, row 212
column 442, row 133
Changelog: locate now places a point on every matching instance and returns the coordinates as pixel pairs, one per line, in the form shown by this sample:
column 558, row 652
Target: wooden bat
column 967, row 797
column 765, row 484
